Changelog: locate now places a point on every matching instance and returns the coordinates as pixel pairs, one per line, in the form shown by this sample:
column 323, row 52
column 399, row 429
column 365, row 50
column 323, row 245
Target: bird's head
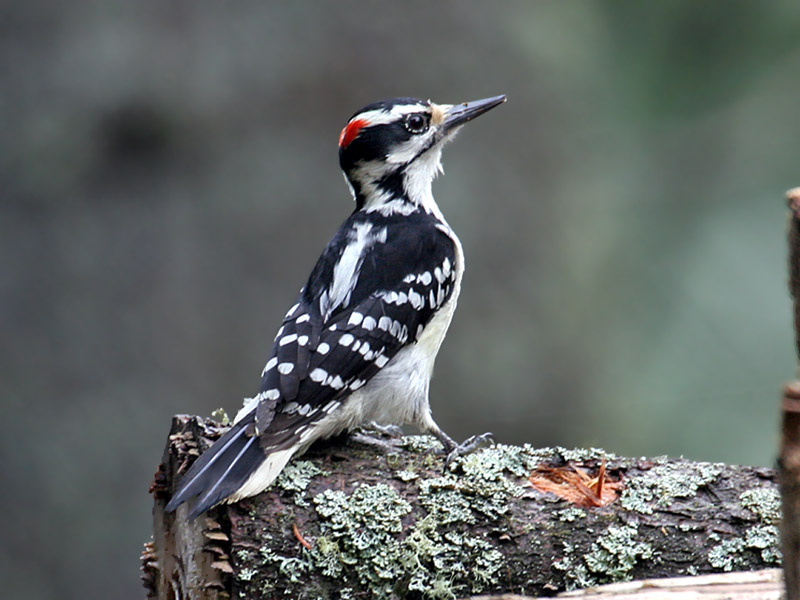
column 390, row 151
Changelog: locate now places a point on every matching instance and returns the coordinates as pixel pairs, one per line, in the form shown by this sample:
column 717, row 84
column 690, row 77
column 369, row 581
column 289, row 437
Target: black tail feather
column 220, row 471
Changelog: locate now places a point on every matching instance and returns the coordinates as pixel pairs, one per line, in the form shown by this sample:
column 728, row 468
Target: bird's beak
column 458, row 114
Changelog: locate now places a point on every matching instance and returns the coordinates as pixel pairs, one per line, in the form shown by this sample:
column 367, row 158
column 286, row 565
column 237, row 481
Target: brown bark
column 790, row 422
column 357, row 520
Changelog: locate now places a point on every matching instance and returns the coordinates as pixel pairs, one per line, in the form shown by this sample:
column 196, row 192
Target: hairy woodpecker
column 360, row 342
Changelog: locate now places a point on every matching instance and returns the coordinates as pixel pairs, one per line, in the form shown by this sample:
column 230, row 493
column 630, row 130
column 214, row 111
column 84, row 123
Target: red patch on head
column 350, row 132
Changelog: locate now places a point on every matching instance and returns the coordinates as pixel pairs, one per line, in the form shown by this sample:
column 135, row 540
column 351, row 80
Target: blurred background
column 169, row 175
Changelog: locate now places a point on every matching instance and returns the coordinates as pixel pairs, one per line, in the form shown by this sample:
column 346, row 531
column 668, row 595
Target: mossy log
column 352, row 519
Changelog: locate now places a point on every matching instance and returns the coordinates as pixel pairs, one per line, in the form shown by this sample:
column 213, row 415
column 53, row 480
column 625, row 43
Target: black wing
column 403, row 278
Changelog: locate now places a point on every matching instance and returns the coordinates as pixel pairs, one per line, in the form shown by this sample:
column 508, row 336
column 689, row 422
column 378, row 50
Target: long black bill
column 466, row 111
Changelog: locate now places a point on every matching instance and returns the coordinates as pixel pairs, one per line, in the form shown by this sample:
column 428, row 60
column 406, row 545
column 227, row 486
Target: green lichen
column 481, row 490
column 762, row 538
column 766, row 539
column 247, row 574
column 327, row 557
column 561, row 454
column 293, row 569
column 576, row 574
column 584, row 454
column 571, row 514
column 444, row 502
column 361, row 533
column 295, row 477
column 421, row 443
column 765, row 503
column 243, row 556
column 361, row 530
column 727, row 555
column 615, row 554
column 220, row 415
column 737, row 553
column 611, row 558
column 661, row 485
column 406, row 475
column 366, row 540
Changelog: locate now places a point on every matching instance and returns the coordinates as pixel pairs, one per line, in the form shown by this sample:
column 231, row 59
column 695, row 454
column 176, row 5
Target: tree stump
column 351, row 519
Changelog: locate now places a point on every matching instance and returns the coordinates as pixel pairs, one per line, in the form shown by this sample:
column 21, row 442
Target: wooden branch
column 741, row 585
column 381, row 519
column 790, row 422
column 793, row 201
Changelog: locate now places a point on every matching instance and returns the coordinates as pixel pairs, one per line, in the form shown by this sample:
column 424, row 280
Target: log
column 740, row 585
column 379, row 518
column 754, row 585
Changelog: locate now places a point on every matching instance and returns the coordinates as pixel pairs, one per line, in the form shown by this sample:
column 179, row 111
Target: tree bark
column 790, row 420
column 352, row 519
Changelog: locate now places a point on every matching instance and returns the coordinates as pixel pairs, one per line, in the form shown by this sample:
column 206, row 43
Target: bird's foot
column 469, row 445
column 388, row 430
column 372, row 434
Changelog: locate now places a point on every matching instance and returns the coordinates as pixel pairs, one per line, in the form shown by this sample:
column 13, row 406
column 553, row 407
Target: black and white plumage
column 360, row 342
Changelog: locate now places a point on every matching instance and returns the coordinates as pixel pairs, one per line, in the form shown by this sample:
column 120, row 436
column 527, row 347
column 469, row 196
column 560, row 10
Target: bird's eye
column 416, row 123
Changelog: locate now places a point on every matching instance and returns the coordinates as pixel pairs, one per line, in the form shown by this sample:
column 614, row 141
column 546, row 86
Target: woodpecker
column 359, row 344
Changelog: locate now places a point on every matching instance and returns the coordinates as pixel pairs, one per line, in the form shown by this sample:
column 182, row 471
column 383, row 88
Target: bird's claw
column 388, row 430
column 469, row 445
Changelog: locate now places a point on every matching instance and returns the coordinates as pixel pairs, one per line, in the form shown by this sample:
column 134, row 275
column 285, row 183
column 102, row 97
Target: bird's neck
column 396, row 189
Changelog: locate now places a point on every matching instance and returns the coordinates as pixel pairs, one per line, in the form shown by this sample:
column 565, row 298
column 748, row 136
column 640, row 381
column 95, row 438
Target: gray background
column 168, row 175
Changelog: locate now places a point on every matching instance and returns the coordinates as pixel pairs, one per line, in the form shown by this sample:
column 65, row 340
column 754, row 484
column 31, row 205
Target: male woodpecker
column 360, row 342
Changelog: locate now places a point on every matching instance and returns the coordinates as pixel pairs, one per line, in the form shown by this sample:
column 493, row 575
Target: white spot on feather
column 270, row 365
column 318, row 375
column 288, row 339
column 417, row 301
column 330, row 406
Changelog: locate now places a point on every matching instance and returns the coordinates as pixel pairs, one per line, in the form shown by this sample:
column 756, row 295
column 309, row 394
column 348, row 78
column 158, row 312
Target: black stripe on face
column 374, row 143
